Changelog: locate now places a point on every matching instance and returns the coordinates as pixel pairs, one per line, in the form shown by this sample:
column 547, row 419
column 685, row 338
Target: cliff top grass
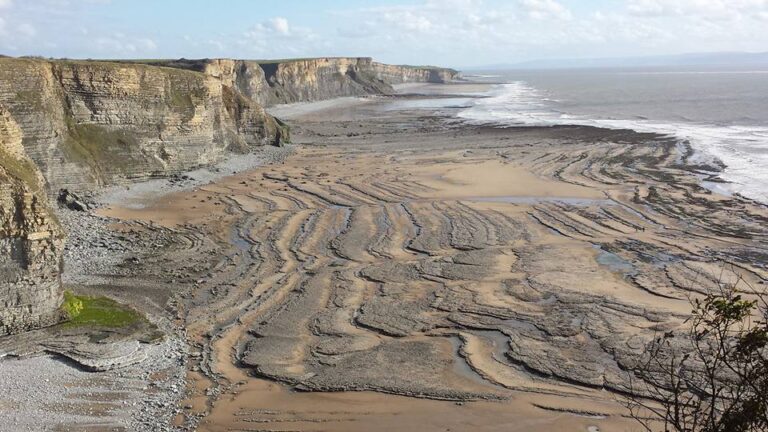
column 85, row 311
column 8, row 63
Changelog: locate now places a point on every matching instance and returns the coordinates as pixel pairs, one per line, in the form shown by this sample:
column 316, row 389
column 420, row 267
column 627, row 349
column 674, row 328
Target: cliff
column 304, row 80
column 300, row 80
column 92, row 123
column 413, row 74
column 87, row 124
column 31, row 240
column 80, row 125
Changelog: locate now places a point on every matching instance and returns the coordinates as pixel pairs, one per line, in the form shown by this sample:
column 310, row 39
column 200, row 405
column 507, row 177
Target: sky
column 455, row 33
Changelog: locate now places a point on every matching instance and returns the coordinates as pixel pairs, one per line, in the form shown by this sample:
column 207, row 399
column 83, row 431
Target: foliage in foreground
column 712, row 378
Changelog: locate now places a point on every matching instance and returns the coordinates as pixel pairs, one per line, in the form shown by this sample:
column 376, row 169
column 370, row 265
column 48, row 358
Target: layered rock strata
column 87, row 124
column 30, row 240
column 413, row 74
column 302, row 80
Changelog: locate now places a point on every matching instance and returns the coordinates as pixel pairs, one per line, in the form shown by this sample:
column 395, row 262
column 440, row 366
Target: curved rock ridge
column 31, row 240
column 87, row 124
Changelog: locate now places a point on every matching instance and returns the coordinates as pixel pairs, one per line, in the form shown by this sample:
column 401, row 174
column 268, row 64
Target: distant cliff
column 414, row 74
column 303, row 80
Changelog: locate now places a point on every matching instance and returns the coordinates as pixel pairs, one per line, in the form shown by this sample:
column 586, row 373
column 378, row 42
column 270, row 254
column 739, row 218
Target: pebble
column 30, row 387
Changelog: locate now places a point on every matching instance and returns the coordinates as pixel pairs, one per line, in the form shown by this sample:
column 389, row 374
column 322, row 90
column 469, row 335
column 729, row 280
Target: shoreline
column 234, row 249
column 705, row 155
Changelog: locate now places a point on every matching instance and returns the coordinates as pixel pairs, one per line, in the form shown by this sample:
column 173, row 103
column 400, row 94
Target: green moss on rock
column 84, row 311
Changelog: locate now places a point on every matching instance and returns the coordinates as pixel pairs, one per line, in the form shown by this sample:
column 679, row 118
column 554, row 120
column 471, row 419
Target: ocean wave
column 742, row 149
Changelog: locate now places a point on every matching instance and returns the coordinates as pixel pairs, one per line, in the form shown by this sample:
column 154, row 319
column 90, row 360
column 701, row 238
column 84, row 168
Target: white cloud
column 545, row 9
column 4, row 4
column 280, row 25
column 270, row 28
column 710, row 9
column 408, row 20
column 121, row 44
column 439, row 23
column 276, row 37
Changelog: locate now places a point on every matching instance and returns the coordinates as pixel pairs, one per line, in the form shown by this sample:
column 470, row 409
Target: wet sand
column 405, row 271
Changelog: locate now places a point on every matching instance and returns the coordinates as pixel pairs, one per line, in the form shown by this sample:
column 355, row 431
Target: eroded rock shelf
column 415, row 256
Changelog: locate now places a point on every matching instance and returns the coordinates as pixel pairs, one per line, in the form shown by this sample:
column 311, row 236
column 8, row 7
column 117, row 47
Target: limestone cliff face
column 304, row 80
column 318, row 79
column 30, row 240
column 245, row 76
column 413, row 74
column 299, row 80
column 87, row 124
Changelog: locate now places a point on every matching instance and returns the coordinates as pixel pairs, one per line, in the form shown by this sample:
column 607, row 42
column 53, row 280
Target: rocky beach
column 392, row 268
column 512, row 272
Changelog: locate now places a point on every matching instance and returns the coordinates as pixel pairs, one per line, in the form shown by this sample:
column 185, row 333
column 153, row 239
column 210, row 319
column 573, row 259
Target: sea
column 722, row 112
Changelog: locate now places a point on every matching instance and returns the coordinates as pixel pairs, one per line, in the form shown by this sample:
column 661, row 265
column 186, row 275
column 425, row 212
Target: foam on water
column 743, row 149
column 429, row 103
